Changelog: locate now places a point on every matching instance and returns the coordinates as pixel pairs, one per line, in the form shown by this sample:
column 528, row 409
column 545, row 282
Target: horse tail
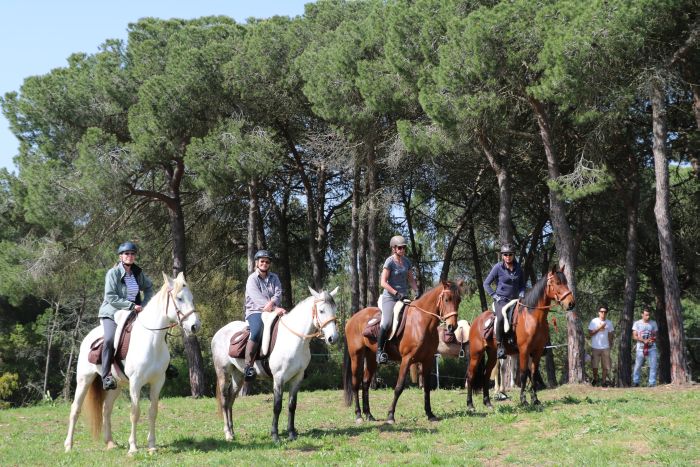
column 347, row 374
column 94, row 399
column 219, row 408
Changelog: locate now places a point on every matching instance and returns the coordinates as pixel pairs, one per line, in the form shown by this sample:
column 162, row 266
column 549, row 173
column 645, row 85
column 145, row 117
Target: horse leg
column 107, row 407
column 223, row 393
column 154, row 393
column 533, row 369
column 523, row 375
column 134, row 392
column 278, row 388
column 370, row 370
column 490, row 364
column 474, row 359
column 81, row 389
column 356, row 374
column 398, row 389
column 427, row 387
column 294, row 385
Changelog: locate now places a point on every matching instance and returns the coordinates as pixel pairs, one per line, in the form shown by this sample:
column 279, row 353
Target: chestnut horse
column 531, row 336
column 418, row 343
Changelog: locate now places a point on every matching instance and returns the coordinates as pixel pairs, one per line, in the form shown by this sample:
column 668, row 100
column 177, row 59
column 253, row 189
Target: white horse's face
column 183, row 311
column 325, row 309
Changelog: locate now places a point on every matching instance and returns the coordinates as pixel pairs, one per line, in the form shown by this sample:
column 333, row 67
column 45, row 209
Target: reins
column 556, row 297
column 439, row 304
column 319, row 326
column 180, row 315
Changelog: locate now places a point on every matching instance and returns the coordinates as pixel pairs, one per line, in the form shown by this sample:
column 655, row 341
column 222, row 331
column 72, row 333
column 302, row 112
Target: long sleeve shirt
column 509, row 284
column 259, row 291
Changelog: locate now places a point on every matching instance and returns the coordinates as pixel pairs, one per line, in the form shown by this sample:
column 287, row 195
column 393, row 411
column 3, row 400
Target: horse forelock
column 328, row 298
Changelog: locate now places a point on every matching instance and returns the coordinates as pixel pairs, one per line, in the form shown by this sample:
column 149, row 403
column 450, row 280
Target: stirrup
column 382, row 357
column 109, row 383
column 249, row 373
column 501, row 352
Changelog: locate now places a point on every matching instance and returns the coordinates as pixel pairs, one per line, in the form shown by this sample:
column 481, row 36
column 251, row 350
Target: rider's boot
column 382, row 356
column 501, row 352
column 251, row 349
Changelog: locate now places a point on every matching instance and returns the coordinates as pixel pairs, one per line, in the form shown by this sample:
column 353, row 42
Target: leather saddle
column 269, row 338
column 398, row 323
column 125, row 320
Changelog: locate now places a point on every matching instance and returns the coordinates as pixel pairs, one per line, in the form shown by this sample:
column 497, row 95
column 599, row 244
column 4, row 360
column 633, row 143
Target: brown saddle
column 239, row 340
column 490, row 324
column 95, row 354
column 371, row 330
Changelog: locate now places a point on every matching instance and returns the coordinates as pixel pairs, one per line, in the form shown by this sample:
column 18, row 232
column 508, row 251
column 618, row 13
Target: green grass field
column 575, row 425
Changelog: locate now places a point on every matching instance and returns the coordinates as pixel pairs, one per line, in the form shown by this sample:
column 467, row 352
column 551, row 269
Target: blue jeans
column 639, row 362
column 256, row 327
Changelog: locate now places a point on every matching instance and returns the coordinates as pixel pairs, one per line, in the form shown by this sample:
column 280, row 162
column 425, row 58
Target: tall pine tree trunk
column 372, row 221
column 564, row 243
column 624, row 359
column 680, row 370
column 476, row 260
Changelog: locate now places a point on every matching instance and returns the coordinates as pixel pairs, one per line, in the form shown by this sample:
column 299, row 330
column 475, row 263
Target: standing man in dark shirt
column 510, row 284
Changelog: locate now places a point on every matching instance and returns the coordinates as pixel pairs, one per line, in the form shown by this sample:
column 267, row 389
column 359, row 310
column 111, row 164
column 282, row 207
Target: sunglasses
column 402, row 247
column 129, row 253
column 507, row 254
column 264, row 261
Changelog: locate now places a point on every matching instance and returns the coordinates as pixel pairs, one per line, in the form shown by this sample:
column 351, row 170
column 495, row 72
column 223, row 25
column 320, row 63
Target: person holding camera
column 644, row 332
column 396, row 277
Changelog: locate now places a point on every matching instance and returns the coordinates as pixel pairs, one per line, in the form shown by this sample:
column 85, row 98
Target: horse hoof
column 111, row 445
column 370, row 418
column 68, row 448
column 152, row 451
column 276, row 439
column 390, row 421
column 358, row 421
column 132, row 452
column 229, row 437
column 433, row 418
column 470, row 409
column 536, row 402
column 292, row 436
column 488, row 405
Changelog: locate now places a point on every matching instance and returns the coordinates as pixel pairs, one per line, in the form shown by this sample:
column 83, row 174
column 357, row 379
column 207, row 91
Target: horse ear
column 313, row 292
column 562, row 268
column 180, row 277
column 167, row 280
column 335, row 291
column 554, row 268
column 462, row 286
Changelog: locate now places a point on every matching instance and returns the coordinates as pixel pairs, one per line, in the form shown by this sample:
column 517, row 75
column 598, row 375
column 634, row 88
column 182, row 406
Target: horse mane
column 533, row 295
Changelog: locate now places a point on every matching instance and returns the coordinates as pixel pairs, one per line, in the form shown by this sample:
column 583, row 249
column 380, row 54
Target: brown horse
column 531, row 336
column 418, row 343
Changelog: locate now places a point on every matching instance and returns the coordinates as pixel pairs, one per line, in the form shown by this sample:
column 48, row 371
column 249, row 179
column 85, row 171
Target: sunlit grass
column 574, row 425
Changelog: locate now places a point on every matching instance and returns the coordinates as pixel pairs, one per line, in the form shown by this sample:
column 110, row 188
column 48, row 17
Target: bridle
column 315, row 320
column 440, row 306
column 181, row 317
column 558, row 299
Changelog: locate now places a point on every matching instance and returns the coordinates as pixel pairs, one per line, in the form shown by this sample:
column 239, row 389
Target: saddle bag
column 371, row 330
column 239, row 340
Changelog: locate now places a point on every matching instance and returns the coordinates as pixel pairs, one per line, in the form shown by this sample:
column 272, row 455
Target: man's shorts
column 601, row 355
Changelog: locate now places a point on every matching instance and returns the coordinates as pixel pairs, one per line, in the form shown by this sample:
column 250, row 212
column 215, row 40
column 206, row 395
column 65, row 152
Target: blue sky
column 37, row 36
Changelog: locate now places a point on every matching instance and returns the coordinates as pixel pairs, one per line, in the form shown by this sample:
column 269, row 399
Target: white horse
column 313, row 317
column 145, row 363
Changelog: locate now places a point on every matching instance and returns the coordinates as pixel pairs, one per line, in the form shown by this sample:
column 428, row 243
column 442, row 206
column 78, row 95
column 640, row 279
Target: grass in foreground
column 575, row 425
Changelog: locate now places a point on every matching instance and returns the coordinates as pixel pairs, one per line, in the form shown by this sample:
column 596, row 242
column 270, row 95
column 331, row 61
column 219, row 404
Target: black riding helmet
column 127, row 246
column 507, row 248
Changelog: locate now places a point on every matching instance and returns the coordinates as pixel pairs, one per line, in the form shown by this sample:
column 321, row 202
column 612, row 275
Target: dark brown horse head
column 558, row 289
column 449, row 299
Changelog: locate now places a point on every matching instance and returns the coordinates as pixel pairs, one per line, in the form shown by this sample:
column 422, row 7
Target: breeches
column 109, row 328
column 387, row 307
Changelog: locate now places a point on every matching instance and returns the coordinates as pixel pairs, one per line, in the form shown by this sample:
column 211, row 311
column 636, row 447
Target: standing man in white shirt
column 602, row 334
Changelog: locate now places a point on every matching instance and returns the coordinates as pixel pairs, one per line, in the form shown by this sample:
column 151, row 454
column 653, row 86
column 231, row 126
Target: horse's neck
column 300, row 318
column 154, row 315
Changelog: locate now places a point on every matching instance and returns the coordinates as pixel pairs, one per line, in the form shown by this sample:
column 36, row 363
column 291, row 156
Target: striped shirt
column 132, row 287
